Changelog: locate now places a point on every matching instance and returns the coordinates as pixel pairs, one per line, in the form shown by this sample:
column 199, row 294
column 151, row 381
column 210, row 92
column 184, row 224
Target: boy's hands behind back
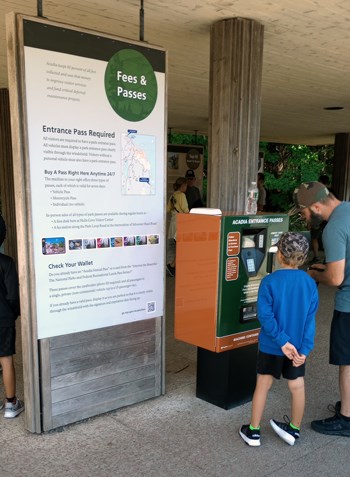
column 299, row 359
column 289, row 350
column 291, row 353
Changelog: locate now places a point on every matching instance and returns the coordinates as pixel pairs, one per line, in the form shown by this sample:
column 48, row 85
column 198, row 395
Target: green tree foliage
column 286, row 166
column 195, row 139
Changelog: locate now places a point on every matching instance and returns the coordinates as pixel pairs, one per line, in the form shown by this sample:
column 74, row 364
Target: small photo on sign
column 116, row 241
column 141, row 239
column 75, row 244
column 53, row 246
column 89, row 243
column 129, row 241
column 153, row 239
column 102, row 242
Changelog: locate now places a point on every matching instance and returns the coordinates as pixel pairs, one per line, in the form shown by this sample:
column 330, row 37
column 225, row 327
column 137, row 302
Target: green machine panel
column 247, row 250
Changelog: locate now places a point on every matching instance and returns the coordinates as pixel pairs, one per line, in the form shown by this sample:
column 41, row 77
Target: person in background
column 9, row 312
column 316, row 232
column 316, row 204
column 287, row 305
column 193, row 194
column 177, row 204
column 262, row 192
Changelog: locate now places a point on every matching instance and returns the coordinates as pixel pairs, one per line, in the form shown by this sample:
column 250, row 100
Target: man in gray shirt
column 316, row 203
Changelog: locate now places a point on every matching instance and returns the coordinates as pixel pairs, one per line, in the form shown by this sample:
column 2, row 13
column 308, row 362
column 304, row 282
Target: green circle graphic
column 131, row 85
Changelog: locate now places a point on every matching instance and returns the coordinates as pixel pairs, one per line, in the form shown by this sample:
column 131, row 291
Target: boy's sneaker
column 13, row 409
column 250, row 437
column 171, row 270
column 285, row 431
column 335, row 426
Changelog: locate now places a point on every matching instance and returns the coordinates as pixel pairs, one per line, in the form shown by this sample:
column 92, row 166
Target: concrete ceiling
column 306, row 56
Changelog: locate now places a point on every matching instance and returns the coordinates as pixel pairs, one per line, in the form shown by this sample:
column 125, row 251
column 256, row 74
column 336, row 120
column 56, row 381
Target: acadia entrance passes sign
column 96, row 128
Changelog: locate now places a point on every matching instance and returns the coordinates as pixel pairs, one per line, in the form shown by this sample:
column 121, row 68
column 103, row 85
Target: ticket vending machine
column 221, row 259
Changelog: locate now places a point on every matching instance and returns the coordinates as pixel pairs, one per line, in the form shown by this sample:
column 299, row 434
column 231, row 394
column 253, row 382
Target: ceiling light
column 333, row 108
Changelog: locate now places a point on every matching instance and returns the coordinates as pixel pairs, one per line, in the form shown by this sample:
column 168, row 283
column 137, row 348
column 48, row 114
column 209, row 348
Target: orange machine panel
column 197, row 272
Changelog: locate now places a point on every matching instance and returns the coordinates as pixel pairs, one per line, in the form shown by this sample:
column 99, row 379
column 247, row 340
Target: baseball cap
column 292, row 242
column 307, row 194
column 190, row 174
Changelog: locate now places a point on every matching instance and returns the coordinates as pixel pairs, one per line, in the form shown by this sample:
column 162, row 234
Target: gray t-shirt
column 336, row 242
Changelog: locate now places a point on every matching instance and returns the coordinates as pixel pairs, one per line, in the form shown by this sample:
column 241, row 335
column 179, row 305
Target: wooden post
column 24, row 242
column 234, row 117
column 341, row 166
column 7, row 193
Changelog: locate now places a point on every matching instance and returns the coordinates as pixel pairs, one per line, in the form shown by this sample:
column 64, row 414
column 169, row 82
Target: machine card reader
column 253, row 249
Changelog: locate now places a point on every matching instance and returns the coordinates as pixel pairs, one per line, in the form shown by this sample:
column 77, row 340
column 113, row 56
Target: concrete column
column 341, row 166
column 236, row 56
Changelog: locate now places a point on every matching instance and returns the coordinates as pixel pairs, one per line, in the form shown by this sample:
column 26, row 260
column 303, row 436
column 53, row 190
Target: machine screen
column 251, row 265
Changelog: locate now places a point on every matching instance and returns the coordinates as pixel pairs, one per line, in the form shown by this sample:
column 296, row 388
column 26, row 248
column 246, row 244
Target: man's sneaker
column 250, row 437
column 171, row 270
column 285, row 431
column 335, row 426
column 334, row 408
column 13, row 409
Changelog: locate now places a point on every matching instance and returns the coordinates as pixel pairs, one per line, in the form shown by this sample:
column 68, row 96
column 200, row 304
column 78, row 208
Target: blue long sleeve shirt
column 287, row 305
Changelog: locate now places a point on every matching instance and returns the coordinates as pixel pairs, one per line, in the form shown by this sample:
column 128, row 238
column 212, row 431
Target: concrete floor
column 179, row 435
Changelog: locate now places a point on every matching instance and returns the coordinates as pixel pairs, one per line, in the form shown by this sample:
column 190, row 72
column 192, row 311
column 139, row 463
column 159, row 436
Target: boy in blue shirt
column 287, row 305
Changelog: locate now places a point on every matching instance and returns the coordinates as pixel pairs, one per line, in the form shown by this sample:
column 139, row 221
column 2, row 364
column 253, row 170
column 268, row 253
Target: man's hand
column 314, row 270
column 331, row 274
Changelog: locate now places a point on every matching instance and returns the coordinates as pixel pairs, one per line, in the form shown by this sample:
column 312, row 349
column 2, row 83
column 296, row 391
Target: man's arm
column 331, row 274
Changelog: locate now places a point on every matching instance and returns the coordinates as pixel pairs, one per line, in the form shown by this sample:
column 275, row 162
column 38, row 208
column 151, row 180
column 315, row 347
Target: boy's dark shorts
column 7, row 340
column 339, row 349
column 277, row 365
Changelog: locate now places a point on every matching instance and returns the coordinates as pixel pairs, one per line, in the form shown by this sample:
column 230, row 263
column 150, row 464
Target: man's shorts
column 316, row 233
column 278, row 365
column 7, row 341
column 339, row 349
